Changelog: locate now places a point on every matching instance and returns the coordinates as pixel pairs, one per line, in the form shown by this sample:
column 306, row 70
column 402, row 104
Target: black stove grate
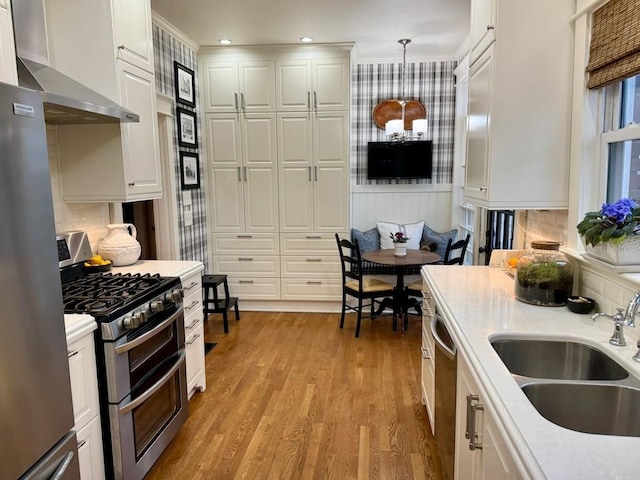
column 104, row 295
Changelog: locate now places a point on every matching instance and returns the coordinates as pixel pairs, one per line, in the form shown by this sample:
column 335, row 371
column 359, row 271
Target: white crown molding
column 168, row 27
column 412, row 59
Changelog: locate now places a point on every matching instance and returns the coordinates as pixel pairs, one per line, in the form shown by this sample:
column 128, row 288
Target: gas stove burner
column 110, row 294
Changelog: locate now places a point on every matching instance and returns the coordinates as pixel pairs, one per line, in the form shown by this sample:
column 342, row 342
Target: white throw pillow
column 411, row 230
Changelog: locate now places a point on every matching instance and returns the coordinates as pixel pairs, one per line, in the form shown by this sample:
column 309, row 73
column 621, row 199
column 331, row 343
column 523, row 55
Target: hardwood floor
column 292, row 396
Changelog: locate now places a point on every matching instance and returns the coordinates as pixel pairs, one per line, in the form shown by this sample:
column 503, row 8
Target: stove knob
column 128, row 323
column 156, row 306
column 177, row 295
column 139, row 318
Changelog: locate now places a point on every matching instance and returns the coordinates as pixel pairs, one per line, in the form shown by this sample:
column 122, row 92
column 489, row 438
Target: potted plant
column 612, row 234
column 399, row 243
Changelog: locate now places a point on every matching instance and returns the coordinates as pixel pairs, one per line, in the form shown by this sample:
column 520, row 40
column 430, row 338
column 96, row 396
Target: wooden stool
column 216, row 304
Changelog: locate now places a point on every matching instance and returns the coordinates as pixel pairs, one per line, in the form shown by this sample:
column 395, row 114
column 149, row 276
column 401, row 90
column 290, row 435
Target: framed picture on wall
column 189, row 170
column 187, row 128
column 185, row 84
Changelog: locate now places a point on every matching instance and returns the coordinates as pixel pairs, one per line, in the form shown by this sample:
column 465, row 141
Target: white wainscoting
column 401, row 204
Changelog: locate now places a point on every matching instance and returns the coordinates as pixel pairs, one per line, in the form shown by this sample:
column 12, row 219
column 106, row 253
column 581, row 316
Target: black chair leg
column 359, row 317
column 344, row 307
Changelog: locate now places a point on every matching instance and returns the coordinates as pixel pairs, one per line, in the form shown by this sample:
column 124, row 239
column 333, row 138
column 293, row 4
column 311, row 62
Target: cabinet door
column 483, row 21
column 140, row 140
column 224, row 151
column 293, row 85
column 132, row 32
column 497, row 461
column 90, row 456
column 257, row 87
column 467, row 463
column 260, row 174
column 220, row 86
column 331, row 84
column 331, row 171
column 84, row 387
column 295, row 150
column 8, row 72
column 478, row 127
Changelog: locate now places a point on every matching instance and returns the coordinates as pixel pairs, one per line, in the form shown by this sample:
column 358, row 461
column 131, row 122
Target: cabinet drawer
column 255, row 265
column 316, row 289
column 248, row 288
column 84, row 386
column 194, row 345
column 192, row 322
column 90, row 455
column 192, row 285
column 310, row 266
column 310, row 243
column 241, row 243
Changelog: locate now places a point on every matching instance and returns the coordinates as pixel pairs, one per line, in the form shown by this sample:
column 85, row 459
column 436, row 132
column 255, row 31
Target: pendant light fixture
column 397, row 115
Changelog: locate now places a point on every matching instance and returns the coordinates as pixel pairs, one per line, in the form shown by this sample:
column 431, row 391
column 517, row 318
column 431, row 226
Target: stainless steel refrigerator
column 36, row 414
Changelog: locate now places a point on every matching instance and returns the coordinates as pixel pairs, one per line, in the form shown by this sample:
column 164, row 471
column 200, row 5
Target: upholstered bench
column 421, row 236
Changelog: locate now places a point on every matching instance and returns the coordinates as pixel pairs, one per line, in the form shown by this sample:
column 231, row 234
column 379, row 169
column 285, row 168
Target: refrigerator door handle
column 62, row 468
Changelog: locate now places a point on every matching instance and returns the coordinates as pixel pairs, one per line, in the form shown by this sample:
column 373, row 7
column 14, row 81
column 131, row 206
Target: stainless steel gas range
column 140, row 352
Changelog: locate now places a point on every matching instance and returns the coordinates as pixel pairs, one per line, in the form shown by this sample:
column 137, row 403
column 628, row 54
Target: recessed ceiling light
column 306, row 39
column 224, row 41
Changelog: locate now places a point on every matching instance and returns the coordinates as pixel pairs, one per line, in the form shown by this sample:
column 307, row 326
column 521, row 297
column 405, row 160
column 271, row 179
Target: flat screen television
column 411, row 159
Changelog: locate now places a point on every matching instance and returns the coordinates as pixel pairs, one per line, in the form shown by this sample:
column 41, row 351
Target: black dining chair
column 357, row 285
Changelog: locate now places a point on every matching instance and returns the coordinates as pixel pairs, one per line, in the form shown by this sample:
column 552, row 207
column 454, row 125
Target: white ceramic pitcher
column 120, row 245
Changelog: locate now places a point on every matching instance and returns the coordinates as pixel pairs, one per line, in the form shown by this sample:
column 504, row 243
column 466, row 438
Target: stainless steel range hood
column 66, row 101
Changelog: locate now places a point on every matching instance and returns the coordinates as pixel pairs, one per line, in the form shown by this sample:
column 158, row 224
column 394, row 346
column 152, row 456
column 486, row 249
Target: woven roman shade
column 614, row 53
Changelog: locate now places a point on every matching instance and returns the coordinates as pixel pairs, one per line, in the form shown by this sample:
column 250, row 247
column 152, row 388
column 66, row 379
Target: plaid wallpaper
column 432, row 83
column 166, row 49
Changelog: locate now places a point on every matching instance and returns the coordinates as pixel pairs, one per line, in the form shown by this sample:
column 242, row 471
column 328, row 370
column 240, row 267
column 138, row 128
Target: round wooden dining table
column 400, row 303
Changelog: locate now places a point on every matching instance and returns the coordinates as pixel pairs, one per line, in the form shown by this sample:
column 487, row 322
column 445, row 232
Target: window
column 621, row 139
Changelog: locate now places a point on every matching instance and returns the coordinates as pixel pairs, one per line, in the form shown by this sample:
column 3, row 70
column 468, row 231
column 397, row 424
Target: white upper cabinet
column 246, row 86
column 8, row 71
column 319, row 84
column 483, row 25
column 314, row 171
column 132, row 32
column 243, row 156
column 518, row 127
column 110, row 50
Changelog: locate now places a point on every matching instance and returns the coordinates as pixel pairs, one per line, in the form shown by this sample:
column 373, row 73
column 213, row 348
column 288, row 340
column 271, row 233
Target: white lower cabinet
column 86, row 411
column 194, row 331
column 428, row 360
column 481, row 452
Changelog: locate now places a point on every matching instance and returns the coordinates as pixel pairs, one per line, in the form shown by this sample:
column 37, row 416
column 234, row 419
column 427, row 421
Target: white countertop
column 481, row 302
column 166, row 268
column 78, row 325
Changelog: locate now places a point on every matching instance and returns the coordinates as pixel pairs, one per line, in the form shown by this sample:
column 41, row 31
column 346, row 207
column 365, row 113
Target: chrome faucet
column 632, row 309
column 620, row 321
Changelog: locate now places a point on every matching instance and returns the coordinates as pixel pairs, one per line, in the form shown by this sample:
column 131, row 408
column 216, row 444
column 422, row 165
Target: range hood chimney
column 66, row 101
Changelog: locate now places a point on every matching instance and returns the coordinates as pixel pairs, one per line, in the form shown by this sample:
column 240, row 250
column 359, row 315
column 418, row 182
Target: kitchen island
column 477, row 303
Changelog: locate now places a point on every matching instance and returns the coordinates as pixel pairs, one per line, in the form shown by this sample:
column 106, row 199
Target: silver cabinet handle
column 235, row 95
column 191, row 285
column 314, row 282
column 81, row 444
column 193, row 324
column 239, row 174
column 245, row 174
column 245, row 281
column 245, row 259
column 315, row 173
column 132, row 184
column 314, row 259
column 473, row 406
column 315, row 100
column 309, row 173
column 490, row 27
column 192, row 341
column 194, row 303
column 308, row 100
column 71, row 353
column 120, row 47
column 244, row 236
column 314, row 236
column 425, row 353
column 244, row 106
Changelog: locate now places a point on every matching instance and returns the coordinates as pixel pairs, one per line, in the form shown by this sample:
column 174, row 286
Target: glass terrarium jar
column 544, row 276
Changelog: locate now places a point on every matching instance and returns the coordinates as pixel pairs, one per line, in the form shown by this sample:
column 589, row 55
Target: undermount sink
column 600, row 409
column 559, row 360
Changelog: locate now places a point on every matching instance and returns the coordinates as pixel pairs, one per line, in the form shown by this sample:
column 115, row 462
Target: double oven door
column 147, row 394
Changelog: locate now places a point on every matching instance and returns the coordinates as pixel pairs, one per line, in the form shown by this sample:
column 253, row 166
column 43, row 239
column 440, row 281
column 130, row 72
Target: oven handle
column 450, row 353
column 125, row 347
column 156, row 386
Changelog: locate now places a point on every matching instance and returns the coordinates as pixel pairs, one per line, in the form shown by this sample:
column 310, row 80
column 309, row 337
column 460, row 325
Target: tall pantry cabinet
column 277, row 148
